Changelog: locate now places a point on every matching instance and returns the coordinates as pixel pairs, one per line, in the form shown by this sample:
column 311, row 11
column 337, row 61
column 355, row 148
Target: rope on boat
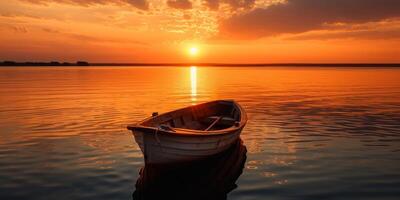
column 158, row 139
column 156, row 136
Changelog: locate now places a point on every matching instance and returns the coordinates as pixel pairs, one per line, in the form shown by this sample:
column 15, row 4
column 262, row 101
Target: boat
column 192, row 133
column 211, row 178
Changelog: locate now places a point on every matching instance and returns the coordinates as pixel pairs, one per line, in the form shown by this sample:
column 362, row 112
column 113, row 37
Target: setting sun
column 193, row 51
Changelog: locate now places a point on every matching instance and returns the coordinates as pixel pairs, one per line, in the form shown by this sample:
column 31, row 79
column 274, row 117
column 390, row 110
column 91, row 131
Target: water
column 313, row 133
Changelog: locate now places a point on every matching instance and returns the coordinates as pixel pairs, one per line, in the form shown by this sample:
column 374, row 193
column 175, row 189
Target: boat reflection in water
column 212, row 178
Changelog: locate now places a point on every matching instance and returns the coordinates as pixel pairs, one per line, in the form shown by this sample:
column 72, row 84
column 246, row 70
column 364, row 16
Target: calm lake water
column 313, row 133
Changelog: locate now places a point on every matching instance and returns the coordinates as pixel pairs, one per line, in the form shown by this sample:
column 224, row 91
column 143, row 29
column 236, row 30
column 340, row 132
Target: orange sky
column 228, row 31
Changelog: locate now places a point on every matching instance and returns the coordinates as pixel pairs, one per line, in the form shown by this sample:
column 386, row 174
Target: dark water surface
column 313, row 133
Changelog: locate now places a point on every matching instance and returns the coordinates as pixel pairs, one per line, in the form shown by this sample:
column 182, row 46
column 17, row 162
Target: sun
column 193, row 51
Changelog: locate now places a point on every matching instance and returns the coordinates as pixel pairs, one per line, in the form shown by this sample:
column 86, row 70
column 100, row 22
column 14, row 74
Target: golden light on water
column 193, row 81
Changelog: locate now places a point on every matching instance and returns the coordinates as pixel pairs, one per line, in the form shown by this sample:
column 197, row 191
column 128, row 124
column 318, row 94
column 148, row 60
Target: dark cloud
column 19, row 29
column 212, row 4
column 239, row 3
column 359, row 34
column 180, row 4
column 141, row 4
column 235, row 4
column 297, row 16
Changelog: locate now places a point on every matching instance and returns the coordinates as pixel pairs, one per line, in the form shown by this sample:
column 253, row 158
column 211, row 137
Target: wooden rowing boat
column 190, row 133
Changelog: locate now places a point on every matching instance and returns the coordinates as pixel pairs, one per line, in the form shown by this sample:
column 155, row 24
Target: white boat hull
column 161, row 149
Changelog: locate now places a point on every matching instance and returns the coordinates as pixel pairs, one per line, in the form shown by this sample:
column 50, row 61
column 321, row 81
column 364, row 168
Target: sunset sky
column 225, row 31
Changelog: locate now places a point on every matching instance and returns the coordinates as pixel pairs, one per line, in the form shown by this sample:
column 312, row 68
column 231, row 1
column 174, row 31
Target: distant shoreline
column 84, row 63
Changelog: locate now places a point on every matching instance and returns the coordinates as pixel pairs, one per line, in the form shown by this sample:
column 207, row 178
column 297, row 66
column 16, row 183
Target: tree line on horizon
column 52, row 63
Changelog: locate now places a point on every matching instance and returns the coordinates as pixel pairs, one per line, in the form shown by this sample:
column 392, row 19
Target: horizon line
column 299, row 64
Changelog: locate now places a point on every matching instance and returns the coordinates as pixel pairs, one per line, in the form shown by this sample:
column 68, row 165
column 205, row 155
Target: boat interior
column 214, row 115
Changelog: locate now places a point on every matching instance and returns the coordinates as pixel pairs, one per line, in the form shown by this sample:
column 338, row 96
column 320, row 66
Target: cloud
column 180, row 4
column 383, row 30
column 235, row 4
column 93, row 39
column 141, row 4
column 14, row 28
column 298, row 16
column 212, row 4
column 359, row 34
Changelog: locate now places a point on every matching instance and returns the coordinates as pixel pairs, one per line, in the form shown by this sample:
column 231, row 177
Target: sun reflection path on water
column 193, row 85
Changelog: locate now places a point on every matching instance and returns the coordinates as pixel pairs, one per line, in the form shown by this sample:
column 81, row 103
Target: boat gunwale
column 190, row 132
